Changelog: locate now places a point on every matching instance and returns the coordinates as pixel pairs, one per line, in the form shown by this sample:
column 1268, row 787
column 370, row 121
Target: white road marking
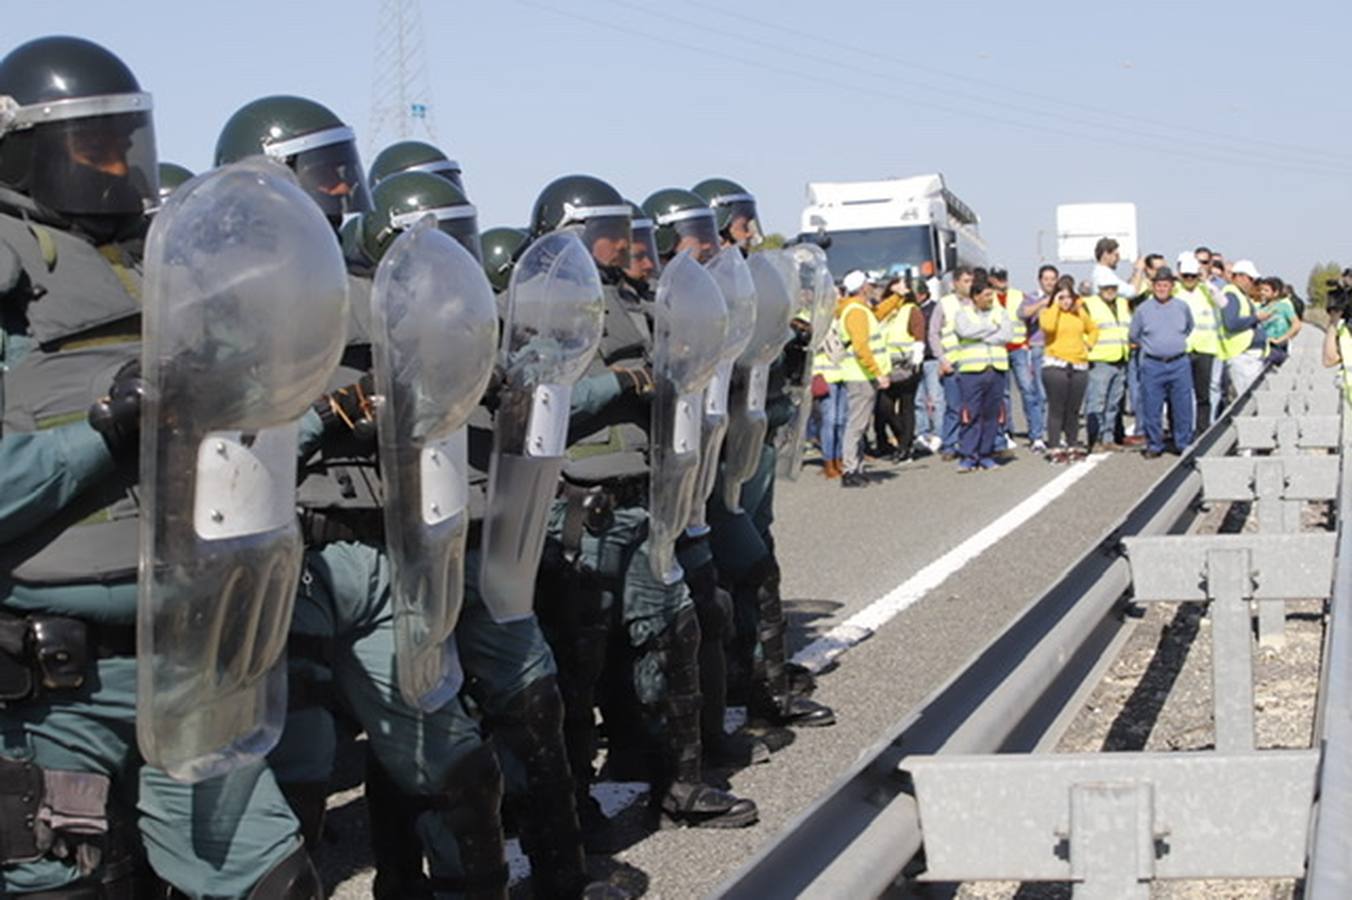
column 826, row 649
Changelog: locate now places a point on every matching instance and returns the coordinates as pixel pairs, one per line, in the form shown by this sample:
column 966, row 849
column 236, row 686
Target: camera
column 1340, row 294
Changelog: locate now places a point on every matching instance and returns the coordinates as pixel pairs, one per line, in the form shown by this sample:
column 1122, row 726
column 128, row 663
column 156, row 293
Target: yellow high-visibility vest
column 1113, row 324
column 977, row 355
column 950, row 305
column 1013, row 299
column 1205, row 337
column 850, row 369
column 1234, row 344
column 1345, row 352
column 897, row 333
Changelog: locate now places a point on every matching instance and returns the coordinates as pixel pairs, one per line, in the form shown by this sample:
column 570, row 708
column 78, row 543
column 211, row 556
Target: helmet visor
column 459, row 222
column 608, row 237
column 446, row 168
column 99, row 165
column 698, row 234
column 333, row 176
column 743, row 224
column 465, row 230
column 643, row 260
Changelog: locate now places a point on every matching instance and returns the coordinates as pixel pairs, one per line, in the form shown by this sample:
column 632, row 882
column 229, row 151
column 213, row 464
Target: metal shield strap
column 747, row 421
column 551, row 331
column 690, row 325
column 229, row 370
column 434, row 338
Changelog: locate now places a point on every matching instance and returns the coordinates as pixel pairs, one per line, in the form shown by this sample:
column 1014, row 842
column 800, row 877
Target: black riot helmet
column 76, row 132
column 644, row 260
column 404, row 199
column 735, row 209
column 309, row 138
column 413, row 156
column 684, row 222
column 172, row 177
column 501, row 247
column 591, row 206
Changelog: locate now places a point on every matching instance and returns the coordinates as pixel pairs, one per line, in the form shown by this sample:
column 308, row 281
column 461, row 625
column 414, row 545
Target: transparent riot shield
column 812, row 289
column 690, row 328
column 245, row 311
column 434, row 338
column 746, row 396
column 730, row 272
column 552, row 329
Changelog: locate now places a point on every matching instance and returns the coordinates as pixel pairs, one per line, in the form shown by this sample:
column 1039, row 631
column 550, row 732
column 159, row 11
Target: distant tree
column 1316, row 290
column 773, row 241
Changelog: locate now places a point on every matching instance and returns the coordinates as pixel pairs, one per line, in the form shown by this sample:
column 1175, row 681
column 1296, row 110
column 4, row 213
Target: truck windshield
column 879, row 250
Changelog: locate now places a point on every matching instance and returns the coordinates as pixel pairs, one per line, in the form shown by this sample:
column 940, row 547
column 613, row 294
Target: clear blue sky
column 1227, row 124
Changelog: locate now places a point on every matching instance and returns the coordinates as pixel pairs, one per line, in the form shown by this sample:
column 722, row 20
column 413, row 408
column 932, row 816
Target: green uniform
column 68, row 547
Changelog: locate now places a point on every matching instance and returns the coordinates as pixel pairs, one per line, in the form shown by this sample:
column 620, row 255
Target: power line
column 1224, row 141
column 1231, row 157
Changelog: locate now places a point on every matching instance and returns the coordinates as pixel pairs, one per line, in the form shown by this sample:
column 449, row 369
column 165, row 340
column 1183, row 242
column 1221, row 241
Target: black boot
column 713, row 606
column 771, row 701
column 471, row 806
column 294, row 878
column 531, row 726
column 396, row 850
column 308, row 800
column 682, row 798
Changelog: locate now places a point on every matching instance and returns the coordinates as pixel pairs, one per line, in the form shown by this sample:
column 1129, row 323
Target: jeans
column 1134, row 390
column 952, row 412
column 1161, row 381
column 929, row 402
column 1103, row 400
column 834, row 411
column 981, row 395
column 1203, row 364
column 1031, row 392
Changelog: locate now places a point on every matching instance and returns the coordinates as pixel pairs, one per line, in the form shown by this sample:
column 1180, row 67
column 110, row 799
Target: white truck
column 895, row 226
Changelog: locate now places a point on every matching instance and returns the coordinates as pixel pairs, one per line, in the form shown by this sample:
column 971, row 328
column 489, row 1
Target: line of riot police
column 536, row 483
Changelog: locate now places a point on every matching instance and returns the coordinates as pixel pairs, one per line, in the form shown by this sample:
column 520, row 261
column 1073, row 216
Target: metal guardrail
column 1029, row 681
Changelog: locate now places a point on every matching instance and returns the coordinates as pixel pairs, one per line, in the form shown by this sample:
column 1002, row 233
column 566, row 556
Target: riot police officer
column 414, row 156
column 595, row 568
column 78, row 167
column 342, row 636
column 743, row 545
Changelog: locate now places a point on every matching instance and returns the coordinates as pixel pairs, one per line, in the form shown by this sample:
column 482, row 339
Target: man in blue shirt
column 1160, row 328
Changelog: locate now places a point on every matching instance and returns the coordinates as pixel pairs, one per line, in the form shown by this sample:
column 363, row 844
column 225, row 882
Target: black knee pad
column 679, row 644
column 473, row 790
column 715, row 615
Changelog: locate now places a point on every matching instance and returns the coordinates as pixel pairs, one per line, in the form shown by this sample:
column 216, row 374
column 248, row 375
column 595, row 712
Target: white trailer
column 893, row 226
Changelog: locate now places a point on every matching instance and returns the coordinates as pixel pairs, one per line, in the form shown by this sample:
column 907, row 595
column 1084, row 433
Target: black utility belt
column 629, row 491
column 54, row 653
column 1164, row 359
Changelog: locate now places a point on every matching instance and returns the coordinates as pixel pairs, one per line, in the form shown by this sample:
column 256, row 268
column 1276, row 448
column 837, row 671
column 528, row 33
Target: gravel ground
column 1158, row 697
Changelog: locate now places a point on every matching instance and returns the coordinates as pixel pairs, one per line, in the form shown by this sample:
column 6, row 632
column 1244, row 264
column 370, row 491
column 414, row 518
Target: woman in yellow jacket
column 1070, row 332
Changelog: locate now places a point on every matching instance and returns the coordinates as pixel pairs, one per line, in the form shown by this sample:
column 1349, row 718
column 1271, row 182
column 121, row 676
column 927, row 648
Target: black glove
column 638, row 382
column 117, row 415
column 348, row 411
column 493, row 390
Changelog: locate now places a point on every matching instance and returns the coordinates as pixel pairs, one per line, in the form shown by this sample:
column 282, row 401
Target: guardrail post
column 1276, row 515
column 1112, row 840
column 1229, row 585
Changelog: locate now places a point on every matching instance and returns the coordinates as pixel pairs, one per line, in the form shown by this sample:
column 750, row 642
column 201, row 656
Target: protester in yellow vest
column 1243, row 343
column 862, row 372
column 1021, row 369
column 1204, row 343
column 944, row 340
column 903, row 333
column 1111, row 314
column 983, row 329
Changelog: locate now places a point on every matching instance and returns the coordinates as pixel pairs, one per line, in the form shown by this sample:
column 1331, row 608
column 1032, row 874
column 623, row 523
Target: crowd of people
column 1094, row 364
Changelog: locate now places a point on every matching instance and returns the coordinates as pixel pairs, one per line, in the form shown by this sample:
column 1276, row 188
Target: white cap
column 1245, row 267
column 1188, row 264
column 854, row 280
column 1105, row 277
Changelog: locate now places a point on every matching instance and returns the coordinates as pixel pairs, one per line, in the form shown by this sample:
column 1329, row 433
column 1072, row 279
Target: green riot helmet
column 735, row 209
column 592, row 207
column 644, row 261
column 172, row 176
column 684, row 222
column 401, row 200
column 413, row 156
column 309, row 138
column 501, row 247
column 349, row 238
column 76, row 132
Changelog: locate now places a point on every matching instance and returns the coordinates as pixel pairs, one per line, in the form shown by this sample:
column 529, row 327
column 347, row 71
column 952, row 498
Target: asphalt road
column 840, row 550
